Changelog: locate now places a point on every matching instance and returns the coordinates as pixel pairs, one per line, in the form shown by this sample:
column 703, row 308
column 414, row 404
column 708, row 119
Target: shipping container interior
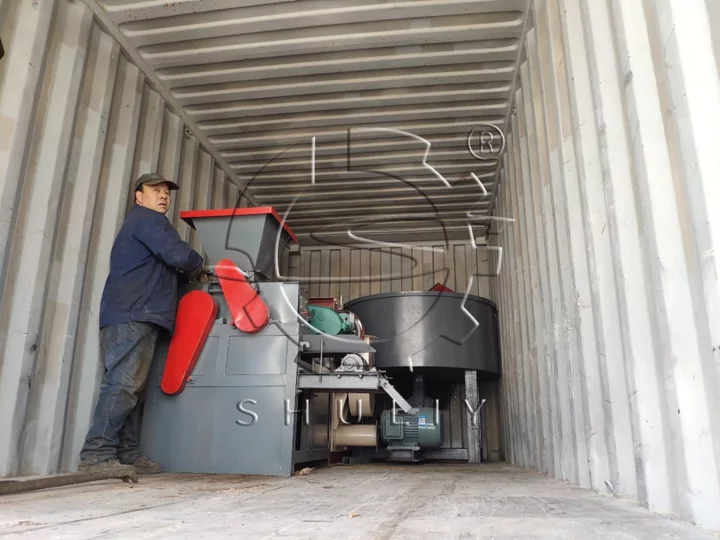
column 559, row 158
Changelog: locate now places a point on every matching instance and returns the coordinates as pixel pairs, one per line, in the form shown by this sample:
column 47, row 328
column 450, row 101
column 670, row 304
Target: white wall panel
column 78, row 123
column 20, row 76
column 36, row 220
column 612, row 182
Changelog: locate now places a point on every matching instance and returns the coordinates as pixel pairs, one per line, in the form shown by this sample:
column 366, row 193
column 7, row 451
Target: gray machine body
column 431, row 330
column 235, row 415
column 254, row 243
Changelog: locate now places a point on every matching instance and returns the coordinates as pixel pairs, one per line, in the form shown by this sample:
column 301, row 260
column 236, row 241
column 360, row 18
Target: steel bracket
column 397, row 397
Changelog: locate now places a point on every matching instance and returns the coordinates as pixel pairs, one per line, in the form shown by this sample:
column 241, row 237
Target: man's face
column 155, row 197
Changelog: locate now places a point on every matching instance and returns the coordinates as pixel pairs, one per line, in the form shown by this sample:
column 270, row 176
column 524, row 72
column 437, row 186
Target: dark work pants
column 127, row 351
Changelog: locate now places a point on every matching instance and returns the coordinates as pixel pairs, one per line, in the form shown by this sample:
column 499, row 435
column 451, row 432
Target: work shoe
column 111, row 464
column 143, row 465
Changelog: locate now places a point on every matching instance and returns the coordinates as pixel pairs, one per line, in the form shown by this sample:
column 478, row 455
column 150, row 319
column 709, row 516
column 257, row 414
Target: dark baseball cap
column 153, row 179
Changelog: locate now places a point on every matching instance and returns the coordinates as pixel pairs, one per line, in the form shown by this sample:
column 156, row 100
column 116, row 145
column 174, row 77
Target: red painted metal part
column 188, row 215
column 249, row 311
column 439, row 287
column 193, row 322
column 324, row 301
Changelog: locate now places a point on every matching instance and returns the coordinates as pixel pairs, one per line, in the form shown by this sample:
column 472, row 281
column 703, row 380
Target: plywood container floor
column 378, row 501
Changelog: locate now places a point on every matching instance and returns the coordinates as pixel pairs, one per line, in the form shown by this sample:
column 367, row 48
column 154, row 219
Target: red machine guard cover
column 248, row 310
column 195, row 316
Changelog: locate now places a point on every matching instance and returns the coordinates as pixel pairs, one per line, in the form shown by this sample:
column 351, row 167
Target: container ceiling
column 325, row 109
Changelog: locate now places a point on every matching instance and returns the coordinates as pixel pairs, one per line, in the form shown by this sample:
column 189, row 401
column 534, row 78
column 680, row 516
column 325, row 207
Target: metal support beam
column 21, row 485
column 353, row 381
column 397, row 397
column 340, row 382
column 334, row 345
column 474, row 438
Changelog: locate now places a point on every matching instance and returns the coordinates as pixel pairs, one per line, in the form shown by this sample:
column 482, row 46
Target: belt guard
column 195, row 317
column 248, row 310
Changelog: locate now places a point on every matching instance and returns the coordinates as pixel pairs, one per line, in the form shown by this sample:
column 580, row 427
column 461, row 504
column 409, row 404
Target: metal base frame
column 450, row 454
column 460, row 454
column 307, row 456
column 353, row 381
column 411, row 454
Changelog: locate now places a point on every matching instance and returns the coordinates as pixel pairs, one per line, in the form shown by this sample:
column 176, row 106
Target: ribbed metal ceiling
column 321, row 108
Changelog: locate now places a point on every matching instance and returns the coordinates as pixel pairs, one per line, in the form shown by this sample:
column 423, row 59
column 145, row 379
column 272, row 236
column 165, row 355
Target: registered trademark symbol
column 490, row 139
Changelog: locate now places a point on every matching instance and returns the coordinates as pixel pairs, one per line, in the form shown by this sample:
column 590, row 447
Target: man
column 140, row 299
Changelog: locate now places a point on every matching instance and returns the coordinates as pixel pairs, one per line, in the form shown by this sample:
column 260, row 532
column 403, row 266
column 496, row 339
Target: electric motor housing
column 422, row 430
column 327, row 320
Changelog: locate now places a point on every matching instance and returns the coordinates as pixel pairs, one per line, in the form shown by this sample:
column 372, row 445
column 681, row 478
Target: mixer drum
column 431, row 330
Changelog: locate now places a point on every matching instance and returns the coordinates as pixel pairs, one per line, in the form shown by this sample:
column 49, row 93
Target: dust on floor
column 377, row 501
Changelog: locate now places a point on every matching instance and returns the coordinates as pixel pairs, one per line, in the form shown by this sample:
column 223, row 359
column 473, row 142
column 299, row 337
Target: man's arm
column 164, row 241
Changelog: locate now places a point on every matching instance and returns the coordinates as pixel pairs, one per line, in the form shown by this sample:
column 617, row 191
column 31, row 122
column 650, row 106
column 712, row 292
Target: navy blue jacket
column 144, row 263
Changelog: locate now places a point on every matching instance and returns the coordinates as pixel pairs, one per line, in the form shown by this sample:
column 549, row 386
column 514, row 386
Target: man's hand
column 199, row 277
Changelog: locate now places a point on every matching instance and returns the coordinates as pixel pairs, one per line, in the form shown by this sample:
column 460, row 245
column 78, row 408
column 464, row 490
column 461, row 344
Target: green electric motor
column 422, row 430
column 329, row 321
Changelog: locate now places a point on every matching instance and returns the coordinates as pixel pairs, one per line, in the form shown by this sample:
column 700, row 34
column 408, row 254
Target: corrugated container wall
column 608, row 291
column 77, row 123
column 350, row 272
